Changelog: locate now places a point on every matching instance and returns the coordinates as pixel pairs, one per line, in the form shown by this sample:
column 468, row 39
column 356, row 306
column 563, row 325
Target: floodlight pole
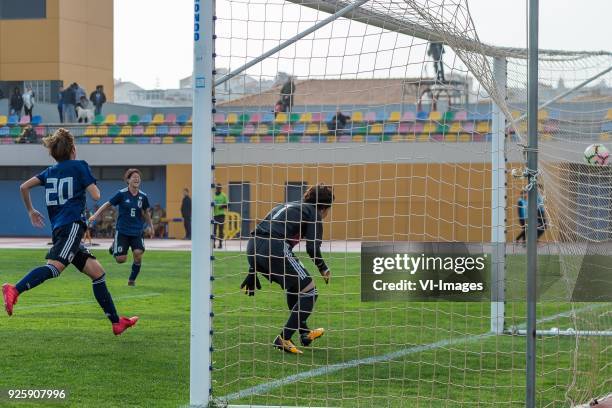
column 291, row 40
column 200, row 369
column 498, row 201
column 532, row 203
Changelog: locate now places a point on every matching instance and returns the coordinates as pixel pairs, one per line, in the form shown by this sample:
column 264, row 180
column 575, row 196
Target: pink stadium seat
column 255, row 118
column 408, row 116
column 249, row 129
column 461, row 115
column 370, row 117
column 468, row 127
column 174, row 130
column 404, row 128
column 219, row 117
column 122, row 119
column 219, row 139
column 345, row 138
column 317, row 117
column 416, row 128
column 286, row 128
column 24, row 120
column 267, row 139
column 171, row 118
column 138, row 130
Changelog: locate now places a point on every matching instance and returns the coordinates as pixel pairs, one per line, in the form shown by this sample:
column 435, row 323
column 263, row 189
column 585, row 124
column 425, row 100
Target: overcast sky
column 153, row 41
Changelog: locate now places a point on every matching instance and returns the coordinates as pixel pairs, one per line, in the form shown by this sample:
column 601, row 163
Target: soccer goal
column 421, row 130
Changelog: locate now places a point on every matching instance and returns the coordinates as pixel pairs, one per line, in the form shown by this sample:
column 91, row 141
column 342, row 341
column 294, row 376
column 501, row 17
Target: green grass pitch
column 59, row 338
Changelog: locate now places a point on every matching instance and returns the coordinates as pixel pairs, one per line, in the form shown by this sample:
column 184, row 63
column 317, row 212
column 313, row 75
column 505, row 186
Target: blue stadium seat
column 479, row 116
column 267, row 118
column 606, row 127
column 4, row 131
column 36, row 120
column 146, row 119
column 13, row 120
column 423, row 115
column 182, row 119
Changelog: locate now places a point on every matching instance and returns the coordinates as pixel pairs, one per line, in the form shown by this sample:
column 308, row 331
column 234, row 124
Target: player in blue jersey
column 66, row 184
column 133, row 208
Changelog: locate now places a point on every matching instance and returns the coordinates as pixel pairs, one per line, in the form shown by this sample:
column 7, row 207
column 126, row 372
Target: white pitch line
column 329, row 369
column 86, row 302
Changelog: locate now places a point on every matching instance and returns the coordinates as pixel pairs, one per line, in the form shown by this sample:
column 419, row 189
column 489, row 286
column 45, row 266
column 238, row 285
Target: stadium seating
column 134, row 120
column 122, row 119
column 36, row 120
column 170, row 119
column 182, row 119
column 12, row 120
column 158, row 119
column 25, row 120
column 98, row 120
column 146, row 119
column 110, row 119
column 4, row 131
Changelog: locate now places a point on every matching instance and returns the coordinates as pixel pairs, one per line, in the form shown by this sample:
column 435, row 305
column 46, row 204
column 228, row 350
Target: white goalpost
column 421, row 159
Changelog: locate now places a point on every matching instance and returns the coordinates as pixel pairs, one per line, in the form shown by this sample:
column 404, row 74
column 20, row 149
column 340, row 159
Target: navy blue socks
column 36, row 277
column 104, row 298
column 135, row 271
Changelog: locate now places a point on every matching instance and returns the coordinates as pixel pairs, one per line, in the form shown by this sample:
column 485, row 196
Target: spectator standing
column 60, row 103
column 186, row 213
column 435, row 51
column 287, row 93
column 16, row 103
column 69, row 104
column 158, row 215
column 338, row 122
column 221, row 202
column 98, row 98
column 80, row 92
column 28, row 102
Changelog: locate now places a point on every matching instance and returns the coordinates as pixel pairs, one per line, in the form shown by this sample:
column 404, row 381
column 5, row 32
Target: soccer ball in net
column 597, row 154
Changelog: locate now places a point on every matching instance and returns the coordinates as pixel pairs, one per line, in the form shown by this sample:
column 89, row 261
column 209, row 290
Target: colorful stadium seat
column 98, row 120
column 249, row 129
column 357, row 116
column 306, row 117
column 450, row 137
column 158, row 119
column 102, row 131
column 119, row 140
column 394, row 116
column 455, row 127
column 281, row 117
column 429, row 128
column 25, row 120
column 162, row 130
column 317, row 117
column 3, row 120
column 36, row 120
column 153, row 140
column 542, row 114
column 267, row 118
column 186, row 130
column 90, row 131
column 370, row 117
column 167, row 140
column 417, row 127
column 94, row 140
column 15, row 131
column 122, row 119
column 40, row 131
column 605, row 127
column 376, row 129
column 609, row 114
column 443, row 128
column 604, row 137
column 146, row 119
column 262, row 130
column 483, row 127
column 468, row 127
column 478, row 116
column 298, row 128
column 110, row 119
column 461, row 115
column 280, row 139
column 404, row 128
column 174, row 130
column 256, row 118
column 126, row 131
column 138, row 130
column 114, row 131
column 134, row 120
column 243, row 118
column 408, row 116
column 423, row 115
column 182, row 119
column 267, row 139
column 12, row 120
column 465, row 137
column 294, row 117
column 435, row 116
column 150, row 130
column 390, row 128
column 170, row 119
column 313, row 129
column 4, row 131
column 448, row 116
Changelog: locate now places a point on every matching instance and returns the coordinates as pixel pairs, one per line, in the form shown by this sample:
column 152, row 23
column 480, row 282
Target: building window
column 22, row 9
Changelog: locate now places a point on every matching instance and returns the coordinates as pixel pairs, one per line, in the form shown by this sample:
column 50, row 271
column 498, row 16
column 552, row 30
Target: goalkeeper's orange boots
column 286, row 345
column 311, row 336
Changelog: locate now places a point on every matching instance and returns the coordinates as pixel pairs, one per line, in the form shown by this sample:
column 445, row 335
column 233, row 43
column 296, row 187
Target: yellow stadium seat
column 255, row 139
column 324, row 130
column 167, row 140
column 357, row 116
column 158, row 119
column 231, row 118
column 376, row 129
column 94, row 140
column 397, row 138
column 90, row 131
column 126, row 131
column 186, row 130
column 110, row 119
column 430, row 128
column 411, row 138
column 450, row 138
column 395, row 116
column 358, row 138
column 455, row 127
column 313, row 129
column 423, row 137
column 483, row 127
column 435, row 116
column 604, row 137
column 262, row 130
column 465, row 137
column 609, row 114
column 119, row 140
column 306, row 117
column 102, row 131
column 331, row 139
column 189, row 140
column 542, row 114
column 150, row 130
column 280, row 139
column 3, row 120
column 230, row 139
column 281, row 117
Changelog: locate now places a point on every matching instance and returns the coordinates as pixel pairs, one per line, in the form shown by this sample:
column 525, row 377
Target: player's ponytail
column 60, row 144
column 321, row 195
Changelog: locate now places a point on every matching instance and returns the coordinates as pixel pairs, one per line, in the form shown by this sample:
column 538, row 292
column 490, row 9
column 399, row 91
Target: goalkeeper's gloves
column 250, row 283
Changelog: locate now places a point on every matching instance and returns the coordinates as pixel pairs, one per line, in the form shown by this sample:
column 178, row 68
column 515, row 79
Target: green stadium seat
column 448, row 116
column 98, row 120
column 15, row 131
column 134, row 120
column 294, row 117
column 244, row 118
column 114, row 131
